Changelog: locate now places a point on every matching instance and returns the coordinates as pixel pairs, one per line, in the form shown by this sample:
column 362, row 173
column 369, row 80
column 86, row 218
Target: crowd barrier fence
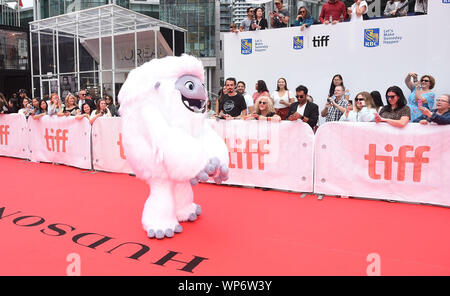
column 348, row 159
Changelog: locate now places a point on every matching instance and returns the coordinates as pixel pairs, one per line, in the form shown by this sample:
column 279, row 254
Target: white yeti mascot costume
column 167, row 141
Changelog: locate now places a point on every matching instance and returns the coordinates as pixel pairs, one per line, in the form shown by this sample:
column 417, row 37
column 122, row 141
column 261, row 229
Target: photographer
column 334, row 109
column 102, row 110
column 396, row 8
column 279, row 18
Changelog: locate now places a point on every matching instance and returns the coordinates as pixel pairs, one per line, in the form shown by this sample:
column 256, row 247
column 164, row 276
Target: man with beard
column 232, row 105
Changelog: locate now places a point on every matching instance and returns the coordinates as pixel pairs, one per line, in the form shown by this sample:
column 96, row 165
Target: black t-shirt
column 233, row 105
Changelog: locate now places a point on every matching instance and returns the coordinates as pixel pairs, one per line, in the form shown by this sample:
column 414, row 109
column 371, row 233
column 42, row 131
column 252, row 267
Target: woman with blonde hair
column 362, row 110
column 70, row 106
column 264, row 110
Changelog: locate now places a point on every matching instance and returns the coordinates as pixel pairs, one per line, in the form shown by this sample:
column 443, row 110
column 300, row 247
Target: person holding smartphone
column 363, row 110
column 303, row 110
column 334, row 109
column 421, row 94
column 102, row 110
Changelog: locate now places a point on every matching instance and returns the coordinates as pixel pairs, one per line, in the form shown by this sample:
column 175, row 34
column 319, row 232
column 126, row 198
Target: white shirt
column 108, row 113
column 365, row 115
column 301, row 109
column 276, row 99
column 249, row 101
column 354, row 17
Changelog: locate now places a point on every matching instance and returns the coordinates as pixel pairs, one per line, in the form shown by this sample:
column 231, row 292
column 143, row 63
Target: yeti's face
column 193, row 93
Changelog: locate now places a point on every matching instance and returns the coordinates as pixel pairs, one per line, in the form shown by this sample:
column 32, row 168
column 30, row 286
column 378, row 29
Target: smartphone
column 350, row 102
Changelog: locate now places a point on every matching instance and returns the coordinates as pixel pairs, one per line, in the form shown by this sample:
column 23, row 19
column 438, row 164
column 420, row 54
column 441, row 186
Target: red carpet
column 241, row 231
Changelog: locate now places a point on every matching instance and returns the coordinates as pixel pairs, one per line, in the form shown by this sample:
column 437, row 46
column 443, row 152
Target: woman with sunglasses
column 264, row 110
column 363, row 110
column 421, row 94
column 396, row 112
column 304, row 18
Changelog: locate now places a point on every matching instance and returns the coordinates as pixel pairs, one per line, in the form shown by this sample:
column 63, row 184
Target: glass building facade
column 49, row 8
column 196, row 16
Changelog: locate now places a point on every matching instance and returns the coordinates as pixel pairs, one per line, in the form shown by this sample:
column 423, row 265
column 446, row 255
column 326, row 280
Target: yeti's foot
column 213, row 169
column 189, row 213
column 161, row 231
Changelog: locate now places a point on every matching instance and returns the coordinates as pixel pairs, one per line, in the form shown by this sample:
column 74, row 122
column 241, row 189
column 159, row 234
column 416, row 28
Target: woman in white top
column 282, row 98
column 102, row 110
column 357, row 10
column 26, row 108
column 363, row 110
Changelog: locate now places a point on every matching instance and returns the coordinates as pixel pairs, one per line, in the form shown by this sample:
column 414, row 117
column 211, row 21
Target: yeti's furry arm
column 181, row 154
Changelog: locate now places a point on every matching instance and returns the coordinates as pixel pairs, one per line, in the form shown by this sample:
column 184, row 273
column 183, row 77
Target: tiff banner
column 378, row 161
column 63, row 140
column 13, row 135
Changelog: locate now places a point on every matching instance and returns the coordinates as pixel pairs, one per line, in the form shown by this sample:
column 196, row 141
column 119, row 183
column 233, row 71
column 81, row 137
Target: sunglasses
column 302, row 11
column 359, row 99
column 424, row 80
column 390, row 97
column 300, row 97
column 443, row 101
column 262, row 103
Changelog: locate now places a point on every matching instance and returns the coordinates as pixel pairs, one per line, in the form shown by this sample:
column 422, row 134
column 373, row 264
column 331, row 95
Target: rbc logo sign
column 298, row 42
column 371, row 37
column 246, row 46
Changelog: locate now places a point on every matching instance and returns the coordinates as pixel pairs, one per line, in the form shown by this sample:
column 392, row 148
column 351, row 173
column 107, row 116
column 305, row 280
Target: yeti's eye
column 189, row 85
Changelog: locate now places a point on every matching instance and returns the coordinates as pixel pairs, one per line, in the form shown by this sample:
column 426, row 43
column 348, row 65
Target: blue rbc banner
column 298, row 42
column 372, row 37
column 246, row 46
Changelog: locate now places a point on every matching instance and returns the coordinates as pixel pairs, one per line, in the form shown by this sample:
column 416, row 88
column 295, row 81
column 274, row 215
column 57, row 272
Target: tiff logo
column 251, row 146
column 122, row 153
column 402, row 159
column 60, row 138
column 4, row 134
column 321, row 41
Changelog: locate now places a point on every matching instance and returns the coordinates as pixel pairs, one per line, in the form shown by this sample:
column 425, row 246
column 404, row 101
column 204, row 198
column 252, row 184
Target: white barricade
column 63, row 140
column 13, row 135
column 379, row 161
column 266, row 154
column 368, row 160
column 107, row 149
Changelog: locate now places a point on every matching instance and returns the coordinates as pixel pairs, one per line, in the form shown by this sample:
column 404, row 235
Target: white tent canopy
column 105, row 19
column 107, row 26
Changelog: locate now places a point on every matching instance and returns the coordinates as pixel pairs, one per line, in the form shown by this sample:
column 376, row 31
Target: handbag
column 282, row 112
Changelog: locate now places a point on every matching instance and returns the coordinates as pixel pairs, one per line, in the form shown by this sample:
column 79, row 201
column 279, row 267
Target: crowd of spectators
column 234, row 103
column 80, row 105
column 332, row 12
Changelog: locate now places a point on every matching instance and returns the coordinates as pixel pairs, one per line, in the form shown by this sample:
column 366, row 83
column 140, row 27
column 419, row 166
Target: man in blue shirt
column 440, row 115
